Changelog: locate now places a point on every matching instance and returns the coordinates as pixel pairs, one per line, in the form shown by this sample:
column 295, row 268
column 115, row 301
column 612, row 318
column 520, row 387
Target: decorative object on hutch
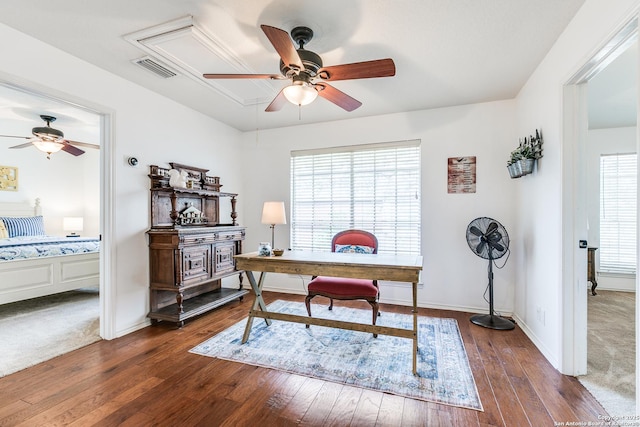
column 191, row 249
column 524, row 157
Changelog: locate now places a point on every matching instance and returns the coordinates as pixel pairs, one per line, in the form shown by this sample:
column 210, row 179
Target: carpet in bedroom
column 39, row 329
column 611, row 351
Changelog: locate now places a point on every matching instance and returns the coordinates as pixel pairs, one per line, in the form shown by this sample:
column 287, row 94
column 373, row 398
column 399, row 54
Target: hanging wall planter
column 523, row 158
column 526, row 165
column 515, row 170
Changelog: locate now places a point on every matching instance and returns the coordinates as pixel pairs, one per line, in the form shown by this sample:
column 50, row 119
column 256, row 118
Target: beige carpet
column 611, row 351
column 39, row 329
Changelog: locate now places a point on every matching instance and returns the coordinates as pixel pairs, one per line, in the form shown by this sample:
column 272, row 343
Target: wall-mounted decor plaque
column 8, row 178
column 461, row 174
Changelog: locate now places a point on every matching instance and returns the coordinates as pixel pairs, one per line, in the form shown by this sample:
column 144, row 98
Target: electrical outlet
column 541, row 315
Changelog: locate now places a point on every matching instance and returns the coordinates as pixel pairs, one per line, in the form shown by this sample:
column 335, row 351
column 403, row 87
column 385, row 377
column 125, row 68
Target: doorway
column 84, row 195
column 581, row 94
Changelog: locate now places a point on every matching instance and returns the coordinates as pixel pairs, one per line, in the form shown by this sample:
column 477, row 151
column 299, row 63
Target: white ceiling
column 447, row 52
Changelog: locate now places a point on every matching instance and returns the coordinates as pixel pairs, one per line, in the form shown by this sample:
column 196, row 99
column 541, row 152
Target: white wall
column 605, row 141
column 453, row 277
column 539, row 262
column 151, row 127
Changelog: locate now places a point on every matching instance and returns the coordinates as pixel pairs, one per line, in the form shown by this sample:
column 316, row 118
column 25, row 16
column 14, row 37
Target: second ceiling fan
column 308, row 75
column 50, row 140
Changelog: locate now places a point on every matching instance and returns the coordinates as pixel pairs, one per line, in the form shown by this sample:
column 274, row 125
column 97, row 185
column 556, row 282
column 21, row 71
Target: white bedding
column 26, row 247
column 69, row 264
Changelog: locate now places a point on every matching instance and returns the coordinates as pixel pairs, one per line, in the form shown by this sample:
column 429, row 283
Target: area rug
column 356, row 358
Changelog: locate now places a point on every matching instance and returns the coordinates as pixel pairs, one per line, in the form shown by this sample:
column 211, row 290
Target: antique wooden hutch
column 190, row 247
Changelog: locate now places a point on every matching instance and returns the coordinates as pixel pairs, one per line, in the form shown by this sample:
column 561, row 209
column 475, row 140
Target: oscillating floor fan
column 488, row 239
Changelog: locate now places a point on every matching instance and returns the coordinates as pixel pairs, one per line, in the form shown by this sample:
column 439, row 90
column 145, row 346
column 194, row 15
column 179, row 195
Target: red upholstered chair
column 349, row 241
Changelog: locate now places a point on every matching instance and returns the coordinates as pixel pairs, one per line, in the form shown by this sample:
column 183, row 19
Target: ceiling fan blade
column 13, row 136
column 359, row 70
column 336, row 96
column 244, row 76
column 277, row 103
column 71, row 149
column 283, row 44
column 82, row 144
column 26, row 144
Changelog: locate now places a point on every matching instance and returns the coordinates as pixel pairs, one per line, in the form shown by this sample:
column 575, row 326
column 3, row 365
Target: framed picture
column 461, row 175
column 8, row 178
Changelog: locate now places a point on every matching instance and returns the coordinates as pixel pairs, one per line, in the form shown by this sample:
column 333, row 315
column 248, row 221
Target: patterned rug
column 356, row 358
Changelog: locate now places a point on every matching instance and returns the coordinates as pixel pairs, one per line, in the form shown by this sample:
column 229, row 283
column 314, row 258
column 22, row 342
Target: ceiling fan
column 308, row 75
column 50, row 140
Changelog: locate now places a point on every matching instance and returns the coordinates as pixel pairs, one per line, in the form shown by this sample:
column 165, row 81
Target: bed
column 33, row 264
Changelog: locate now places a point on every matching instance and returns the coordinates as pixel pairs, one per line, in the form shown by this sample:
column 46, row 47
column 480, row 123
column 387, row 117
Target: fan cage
column 497, row 240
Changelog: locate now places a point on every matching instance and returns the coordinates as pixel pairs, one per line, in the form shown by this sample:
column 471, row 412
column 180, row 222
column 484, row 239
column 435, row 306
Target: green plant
column 515, row 156
column 526, row 151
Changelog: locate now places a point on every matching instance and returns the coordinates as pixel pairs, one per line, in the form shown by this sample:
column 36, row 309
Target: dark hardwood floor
column 149, row 378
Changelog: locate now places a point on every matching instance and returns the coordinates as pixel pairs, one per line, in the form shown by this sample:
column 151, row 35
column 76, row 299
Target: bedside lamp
column 273, row 213
column 72, row 224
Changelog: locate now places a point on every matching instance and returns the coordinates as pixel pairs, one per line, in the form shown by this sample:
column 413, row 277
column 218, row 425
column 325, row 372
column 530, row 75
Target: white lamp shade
column 300, row 94
column 72, row 223
column 47, row 146
column 273, row 213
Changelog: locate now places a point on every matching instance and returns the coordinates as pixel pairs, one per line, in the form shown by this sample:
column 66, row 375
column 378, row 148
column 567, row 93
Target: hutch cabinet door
column 224, row 258
column 196, row 264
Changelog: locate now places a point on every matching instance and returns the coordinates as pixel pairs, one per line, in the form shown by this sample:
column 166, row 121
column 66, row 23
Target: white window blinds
column 618, row 213
column 373, row 187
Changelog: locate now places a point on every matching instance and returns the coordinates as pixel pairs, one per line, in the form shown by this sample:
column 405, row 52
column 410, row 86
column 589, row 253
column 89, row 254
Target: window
column 373, row 187
column 618, row 213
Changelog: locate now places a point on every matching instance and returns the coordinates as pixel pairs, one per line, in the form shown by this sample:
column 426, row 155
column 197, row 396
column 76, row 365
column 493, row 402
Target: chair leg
column 307, row 302
column 331, row 304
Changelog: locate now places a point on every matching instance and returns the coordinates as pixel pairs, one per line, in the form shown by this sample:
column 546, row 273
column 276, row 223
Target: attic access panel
column 192, row 51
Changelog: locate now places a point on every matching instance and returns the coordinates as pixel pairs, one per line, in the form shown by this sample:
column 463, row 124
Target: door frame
column 107, row 269
column 574, row 216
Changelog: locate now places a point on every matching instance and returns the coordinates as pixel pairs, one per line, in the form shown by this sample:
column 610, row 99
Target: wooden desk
column 360, row 266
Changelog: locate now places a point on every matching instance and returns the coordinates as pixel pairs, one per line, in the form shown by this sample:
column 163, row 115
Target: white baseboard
column 614, row 282
column 133, row 328
column 537, row 342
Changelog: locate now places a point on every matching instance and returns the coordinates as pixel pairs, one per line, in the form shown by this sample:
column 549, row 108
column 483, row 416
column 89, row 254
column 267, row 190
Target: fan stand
column 491, row 320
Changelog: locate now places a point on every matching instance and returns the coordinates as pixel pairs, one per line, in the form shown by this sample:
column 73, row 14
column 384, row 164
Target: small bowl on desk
column 278, row 252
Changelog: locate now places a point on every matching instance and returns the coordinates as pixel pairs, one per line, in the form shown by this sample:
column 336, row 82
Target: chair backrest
column 355, row 238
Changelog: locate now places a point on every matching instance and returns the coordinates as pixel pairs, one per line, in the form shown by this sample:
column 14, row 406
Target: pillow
column 354, row 249
column 24, row 226
column 3, row 230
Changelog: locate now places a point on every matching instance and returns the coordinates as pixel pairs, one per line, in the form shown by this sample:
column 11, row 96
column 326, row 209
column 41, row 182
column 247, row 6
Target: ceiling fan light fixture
column 300, row 93
column 47, row 146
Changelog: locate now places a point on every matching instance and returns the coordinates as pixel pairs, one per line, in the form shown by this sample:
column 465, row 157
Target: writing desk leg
column 258, row 302
column 415, row 328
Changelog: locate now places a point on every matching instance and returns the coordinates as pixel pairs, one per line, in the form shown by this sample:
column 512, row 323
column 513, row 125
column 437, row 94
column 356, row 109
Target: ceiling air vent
column 155, row 67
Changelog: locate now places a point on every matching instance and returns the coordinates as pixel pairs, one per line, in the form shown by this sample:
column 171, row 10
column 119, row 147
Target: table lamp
column 72, row 224
column 273, row 213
